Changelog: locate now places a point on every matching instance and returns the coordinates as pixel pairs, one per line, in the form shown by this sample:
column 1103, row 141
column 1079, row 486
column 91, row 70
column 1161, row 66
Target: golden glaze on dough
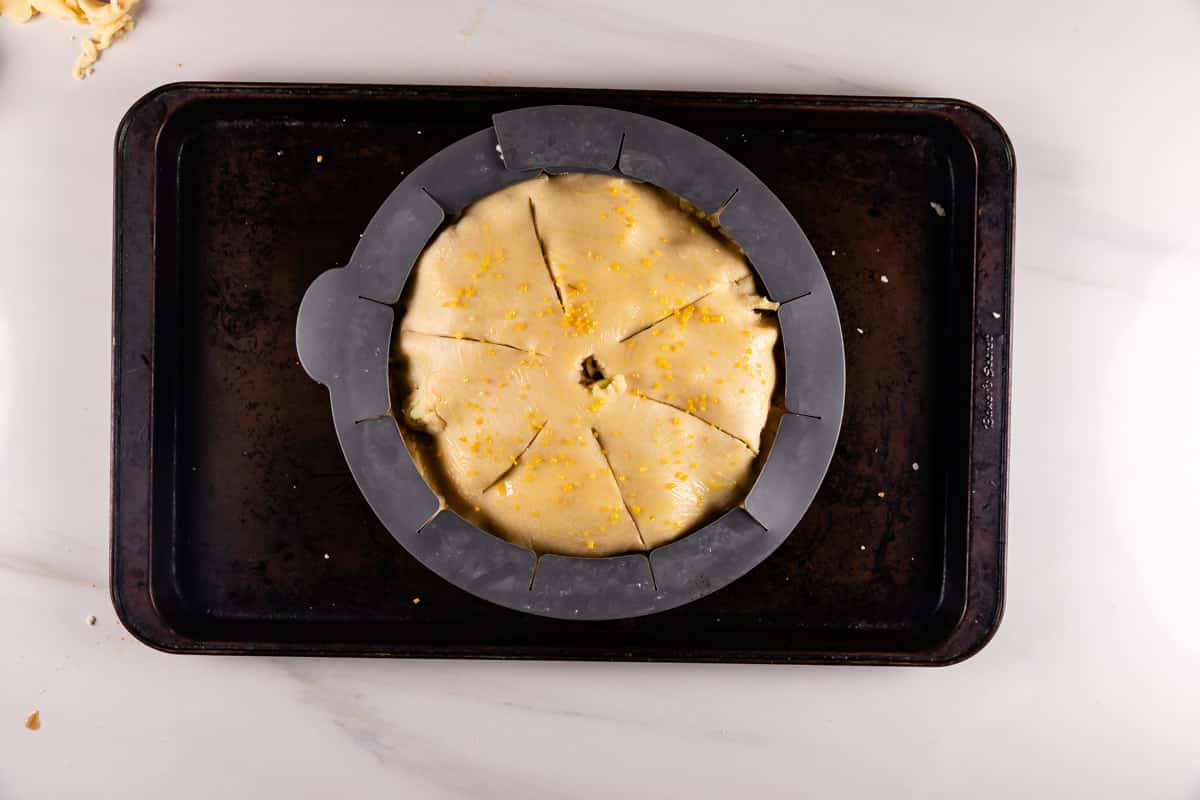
column 591, row 364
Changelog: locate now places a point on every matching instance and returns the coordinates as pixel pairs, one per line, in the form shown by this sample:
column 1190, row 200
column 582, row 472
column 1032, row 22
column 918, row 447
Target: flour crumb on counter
column 90, row 619
column 883, row 278
column 882, row 495
column 416, row 601
column 859, row 330
column 109, row 19
column 34, row 721
column 916, row 466
column 995, row 315
column 938, row 208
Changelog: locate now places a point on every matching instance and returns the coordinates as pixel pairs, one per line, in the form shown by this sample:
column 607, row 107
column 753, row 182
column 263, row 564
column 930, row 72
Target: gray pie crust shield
column 344, row 335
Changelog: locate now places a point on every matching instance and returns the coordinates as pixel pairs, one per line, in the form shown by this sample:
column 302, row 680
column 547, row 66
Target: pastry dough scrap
column 108, row 21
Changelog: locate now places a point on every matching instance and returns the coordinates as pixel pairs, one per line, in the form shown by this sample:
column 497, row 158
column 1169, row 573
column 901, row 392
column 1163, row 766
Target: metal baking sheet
column 237, row 527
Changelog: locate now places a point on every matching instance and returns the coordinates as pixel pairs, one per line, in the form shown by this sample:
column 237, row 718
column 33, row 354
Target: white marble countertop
column 1091, row 687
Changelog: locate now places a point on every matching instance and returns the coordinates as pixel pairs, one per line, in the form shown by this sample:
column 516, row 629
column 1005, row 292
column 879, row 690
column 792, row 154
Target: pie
column 584, row 366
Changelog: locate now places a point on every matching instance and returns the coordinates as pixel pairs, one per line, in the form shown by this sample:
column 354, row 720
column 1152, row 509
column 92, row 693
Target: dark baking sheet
column 238, row 529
